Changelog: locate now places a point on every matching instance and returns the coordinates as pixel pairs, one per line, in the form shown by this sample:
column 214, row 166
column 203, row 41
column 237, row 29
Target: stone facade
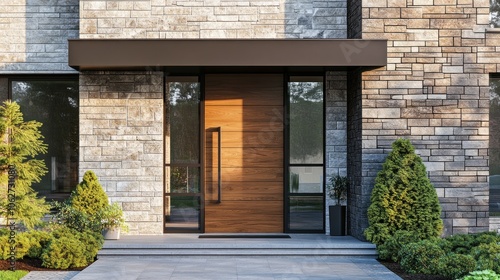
column 34, row 35
column 336, row 130
column 121, row 140
column 435, row 92
column 162, row 19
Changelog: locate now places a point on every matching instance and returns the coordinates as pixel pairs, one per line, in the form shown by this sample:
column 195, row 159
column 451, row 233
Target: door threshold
column 243, row 235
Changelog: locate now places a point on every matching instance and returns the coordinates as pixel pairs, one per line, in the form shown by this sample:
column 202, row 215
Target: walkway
column 307, row 256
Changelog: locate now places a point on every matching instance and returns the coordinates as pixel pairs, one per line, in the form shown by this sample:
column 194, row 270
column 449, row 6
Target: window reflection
column 306, row 122
column 306, row 150
column 182, row 143
column 54, row 103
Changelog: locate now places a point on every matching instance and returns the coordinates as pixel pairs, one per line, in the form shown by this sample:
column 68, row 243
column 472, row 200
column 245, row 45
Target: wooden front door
column 244, row 115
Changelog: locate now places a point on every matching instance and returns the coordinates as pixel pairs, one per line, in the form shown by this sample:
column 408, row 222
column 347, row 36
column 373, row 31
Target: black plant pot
column 337, row 220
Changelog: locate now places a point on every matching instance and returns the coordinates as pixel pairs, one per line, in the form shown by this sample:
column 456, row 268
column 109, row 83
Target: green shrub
column 482, row 275
column 487, row 256
column 38, row 241
column 69, row 216
column 27, row 244
column 25, row 143
column 89, row 196
column 390, row 249
column 12, row 275
column 22, row 246
column 421, row 257
column 63, row 253
column 403, row 198
column 455, row 265
column 70, row 248
column 463, row 243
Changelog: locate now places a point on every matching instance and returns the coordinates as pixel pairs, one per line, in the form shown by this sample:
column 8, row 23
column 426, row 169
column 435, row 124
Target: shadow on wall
column 36, row 35
column 316, row 19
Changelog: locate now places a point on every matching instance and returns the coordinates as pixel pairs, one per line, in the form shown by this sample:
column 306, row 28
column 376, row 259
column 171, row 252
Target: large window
column 53, row 101
column 182, row 159
column 305, row 193
column 494, row 152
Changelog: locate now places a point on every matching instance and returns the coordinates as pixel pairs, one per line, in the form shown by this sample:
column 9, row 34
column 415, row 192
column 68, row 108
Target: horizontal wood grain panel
column 245, row 157
column 238, row 174
column 247, row 139
column 249, row 110
column 245, row 114
column 246, row 190
column 242, row 226
column 234, row 208
column 244, row 89
column 229, row 125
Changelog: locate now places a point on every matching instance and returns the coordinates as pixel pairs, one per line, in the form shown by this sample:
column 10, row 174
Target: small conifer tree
column 403, row 197
column 20, row 143
column 89, row 196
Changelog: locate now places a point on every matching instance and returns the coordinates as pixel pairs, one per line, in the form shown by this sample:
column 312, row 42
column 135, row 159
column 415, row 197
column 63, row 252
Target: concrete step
column 192, row 245
column 352, row 252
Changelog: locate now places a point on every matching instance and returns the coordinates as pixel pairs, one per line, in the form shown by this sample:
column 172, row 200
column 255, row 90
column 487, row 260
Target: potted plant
column 338, row 192
column 112, row 221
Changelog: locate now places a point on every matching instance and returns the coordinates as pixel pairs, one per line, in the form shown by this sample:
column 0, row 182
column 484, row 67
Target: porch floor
column 192, row 245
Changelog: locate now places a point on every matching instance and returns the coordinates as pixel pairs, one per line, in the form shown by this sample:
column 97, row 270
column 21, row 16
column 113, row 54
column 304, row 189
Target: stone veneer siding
column 213, row 19
column 435, row 92
column 121, row 139
column 34, row 35
column 336, row 131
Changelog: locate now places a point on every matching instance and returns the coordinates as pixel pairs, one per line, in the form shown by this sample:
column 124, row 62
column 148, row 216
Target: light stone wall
column 162, row 19
column 34, row 35
column 121, row 140
column 336, row 131
column 435, row 92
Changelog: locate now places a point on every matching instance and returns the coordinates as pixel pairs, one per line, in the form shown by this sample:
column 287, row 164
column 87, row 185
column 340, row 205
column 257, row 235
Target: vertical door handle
column 219, row 156
column 219, row 175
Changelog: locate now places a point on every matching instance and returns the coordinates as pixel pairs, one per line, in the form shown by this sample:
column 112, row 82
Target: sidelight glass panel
column 306, row 179
column 182, row 157
column 306, row 213
column 185, row 179
column 305, row 192
column 183, row 122
column 306, row 122
column 183, row 213
column 54, row 103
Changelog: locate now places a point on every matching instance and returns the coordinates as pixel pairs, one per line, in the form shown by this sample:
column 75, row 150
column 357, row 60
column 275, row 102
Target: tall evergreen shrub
column 89, row 196
column 20, row 143
column 403, row 197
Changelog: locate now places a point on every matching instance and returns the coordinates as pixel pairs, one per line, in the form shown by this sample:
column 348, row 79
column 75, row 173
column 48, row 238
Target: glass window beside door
column 306, row 149
column 182, row 159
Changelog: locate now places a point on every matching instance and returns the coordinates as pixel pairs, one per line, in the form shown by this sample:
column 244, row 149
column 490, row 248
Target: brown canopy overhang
column 111, row 54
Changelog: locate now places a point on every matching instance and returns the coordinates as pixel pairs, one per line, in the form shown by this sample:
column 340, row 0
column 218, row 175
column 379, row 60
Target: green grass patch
column 12, row 275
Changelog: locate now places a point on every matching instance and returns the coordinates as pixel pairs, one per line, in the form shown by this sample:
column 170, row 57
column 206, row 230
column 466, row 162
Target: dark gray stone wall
column 358, row 194
column 34, row 35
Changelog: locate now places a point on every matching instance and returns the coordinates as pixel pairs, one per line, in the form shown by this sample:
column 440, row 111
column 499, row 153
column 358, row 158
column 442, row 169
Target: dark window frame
column 45, row 78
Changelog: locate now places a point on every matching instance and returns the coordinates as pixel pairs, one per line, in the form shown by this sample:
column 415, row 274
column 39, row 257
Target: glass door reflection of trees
column 182, row 156
column 305, row 191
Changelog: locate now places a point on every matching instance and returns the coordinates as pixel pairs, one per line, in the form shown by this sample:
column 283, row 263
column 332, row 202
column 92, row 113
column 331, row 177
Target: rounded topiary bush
column 70, row 248
column 390, row 249
column 403, row 197
column 487, row 256
column 421, row 257
column 455, row 266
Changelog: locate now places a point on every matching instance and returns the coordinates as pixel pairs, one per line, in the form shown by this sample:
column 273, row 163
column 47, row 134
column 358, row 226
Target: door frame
column 286, row 149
